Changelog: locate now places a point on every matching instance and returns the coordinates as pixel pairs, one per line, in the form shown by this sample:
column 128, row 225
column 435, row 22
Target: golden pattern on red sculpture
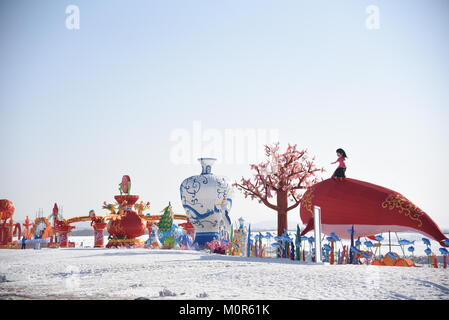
column 306, row 200
column 404, row 206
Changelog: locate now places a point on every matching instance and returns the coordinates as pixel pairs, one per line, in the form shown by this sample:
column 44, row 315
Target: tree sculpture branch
column 292, row 172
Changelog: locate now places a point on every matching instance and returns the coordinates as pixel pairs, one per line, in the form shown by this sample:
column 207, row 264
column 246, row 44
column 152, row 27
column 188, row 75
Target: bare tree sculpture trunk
column 282, row 205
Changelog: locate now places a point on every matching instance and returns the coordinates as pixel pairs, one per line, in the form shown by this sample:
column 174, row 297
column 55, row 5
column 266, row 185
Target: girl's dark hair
column 342, row 152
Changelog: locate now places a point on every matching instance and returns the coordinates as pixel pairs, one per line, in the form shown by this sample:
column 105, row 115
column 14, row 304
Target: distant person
column 24, row 242
column 339, row 173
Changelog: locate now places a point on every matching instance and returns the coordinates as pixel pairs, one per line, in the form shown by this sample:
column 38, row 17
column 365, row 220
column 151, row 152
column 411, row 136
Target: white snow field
column 87, row 273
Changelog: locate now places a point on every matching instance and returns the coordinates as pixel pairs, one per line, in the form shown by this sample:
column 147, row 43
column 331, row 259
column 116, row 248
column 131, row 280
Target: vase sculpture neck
column 206, row 164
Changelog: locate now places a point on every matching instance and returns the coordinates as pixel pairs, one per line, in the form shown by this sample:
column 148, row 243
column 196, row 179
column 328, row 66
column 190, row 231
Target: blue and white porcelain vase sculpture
column 206, row 198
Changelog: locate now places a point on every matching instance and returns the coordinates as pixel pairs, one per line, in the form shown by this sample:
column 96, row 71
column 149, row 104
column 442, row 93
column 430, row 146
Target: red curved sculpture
column 370, row 208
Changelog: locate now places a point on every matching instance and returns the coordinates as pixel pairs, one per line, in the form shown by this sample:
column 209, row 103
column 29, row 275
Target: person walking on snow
column 24, row 242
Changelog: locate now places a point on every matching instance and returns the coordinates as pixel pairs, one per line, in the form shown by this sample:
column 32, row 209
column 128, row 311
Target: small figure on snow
column 24, row 239
column 339, row 173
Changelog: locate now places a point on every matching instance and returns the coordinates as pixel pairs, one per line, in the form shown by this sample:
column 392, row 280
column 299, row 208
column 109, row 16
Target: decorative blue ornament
column 207, row 201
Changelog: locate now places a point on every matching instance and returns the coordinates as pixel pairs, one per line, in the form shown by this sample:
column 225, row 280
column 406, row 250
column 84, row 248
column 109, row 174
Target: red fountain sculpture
column 126, row 225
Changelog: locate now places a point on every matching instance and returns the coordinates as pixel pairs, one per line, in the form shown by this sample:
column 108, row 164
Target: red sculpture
column 99, row 226
column 7, row 209
column 27, row 226
column 125, row 185
column 126, row 225
column 370, row 208
column 8, row 229
column 55, row 215
column 64, row 228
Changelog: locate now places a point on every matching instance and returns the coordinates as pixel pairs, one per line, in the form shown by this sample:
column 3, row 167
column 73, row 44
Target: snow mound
column 167, row 293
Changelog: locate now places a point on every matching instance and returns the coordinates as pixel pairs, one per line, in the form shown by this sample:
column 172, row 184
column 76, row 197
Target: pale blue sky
column 80, row 108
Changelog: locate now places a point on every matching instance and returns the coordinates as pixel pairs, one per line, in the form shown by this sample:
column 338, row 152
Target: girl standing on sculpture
column 339, row 173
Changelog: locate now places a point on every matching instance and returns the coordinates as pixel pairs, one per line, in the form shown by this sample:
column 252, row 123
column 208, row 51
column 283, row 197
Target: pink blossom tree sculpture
column 284, row 175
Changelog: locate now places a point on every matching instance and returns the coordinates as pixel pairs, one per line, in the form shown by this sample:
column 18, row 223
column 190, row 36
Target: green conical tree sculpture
column 166, row 221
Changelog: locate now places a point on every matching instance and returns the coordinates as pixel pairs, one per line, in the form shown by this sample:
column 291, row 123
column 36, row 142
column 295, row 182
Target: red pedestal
column 63, row 239
column 130, row 199
column 6, row 232
column 64, row 235
column 99, row 234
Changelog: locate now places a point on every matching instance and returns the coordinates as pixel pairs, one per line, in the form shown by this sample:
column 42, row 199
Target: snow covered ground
column 87, row 273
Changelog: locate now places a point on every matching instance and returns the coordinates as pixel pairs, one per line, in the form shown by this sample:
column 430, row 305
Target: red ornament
column 132, row 224
column 115, row 228
column 126, row 183
column 55, row 209
column 128, row 223
column 99, row 234
column 7, row 209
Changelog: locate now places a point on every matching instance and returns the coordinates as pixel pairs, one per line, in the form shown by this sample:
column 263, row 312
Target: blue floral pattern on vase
column 206, row 199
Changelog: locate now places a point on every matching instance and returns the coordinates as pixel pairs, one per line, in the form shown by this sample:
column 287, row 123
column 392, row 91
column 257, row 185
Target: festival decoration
column 444, row 252
column 219, row 247
column 298, row 243
column 240, row 236
column 8, row 228
column 99, row 225
column 153, row 241
column 7, row 209
column 188, row 228
column 27, row 226
column 126, row 225
column 370, row 208
column 55, row 216
column 167, row 230
column 249, row 242
column 283, row 176
column 434, row 261
column 207, row 201
column 169, row 242
column 185, row 241
column 125, row 185
column 64, row 228
column 141, row 207
column 166, row 222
